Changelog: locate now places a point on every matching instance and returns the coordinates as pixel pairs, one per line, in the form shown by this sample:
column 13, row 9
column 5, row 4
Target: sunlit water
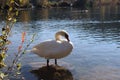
column 95, row 34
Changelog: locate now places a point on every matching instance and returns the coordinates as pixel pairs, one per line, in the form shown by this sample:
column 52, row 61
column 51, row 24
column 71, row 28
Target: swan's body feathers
column 53, row 49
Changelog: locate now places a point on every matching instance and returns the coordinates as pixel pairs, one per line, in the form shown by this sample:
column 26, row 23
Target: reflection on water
column 102, row 73
column 95, row 34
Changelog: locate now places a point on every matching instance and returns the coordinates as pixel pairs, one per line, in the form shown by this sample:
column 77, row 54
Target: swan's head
column 62, row 33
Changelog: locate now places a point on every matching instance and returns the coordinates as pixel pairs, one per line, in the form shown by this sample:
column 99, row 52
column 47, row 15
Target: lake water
column 95, row 34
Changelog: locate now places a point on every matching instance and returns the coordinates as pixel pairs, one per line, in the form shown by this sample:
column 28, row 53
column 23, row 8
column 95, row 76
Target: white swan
column 54, row 49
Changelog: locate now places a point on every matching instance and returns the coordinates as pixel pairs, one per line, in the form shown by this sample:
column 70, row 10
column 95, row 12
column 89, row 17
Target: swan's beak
column 67, row 37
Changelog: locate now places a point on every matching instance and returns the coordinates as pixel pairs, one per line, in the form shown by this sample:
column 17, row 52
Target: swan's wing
column 52, row 48
column 46, row 47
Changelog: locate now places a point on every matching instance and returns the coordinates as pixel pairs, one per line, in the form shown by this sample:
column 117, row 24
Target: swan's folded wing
column 53, row 49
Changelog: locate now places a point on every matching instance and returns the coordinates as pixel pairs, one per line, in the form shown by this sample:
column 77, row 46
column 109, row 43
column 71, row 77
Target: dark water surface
column 95, row 34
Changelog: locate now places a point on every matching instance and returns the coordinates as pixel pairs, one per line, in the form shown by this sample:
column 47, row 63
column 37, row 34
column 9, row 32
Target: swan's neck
column 60, row 37
column 57, row 37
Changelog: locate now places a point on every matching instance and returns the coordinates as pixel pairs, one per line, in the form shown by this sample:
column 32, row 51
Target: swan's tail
column 34, row 50
column 28, row 51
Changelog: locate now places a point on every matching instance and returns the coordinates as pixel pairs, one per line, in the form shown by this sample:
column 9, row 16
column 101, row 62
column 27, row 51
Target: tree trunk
column 24, row 3
column 41, row 3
